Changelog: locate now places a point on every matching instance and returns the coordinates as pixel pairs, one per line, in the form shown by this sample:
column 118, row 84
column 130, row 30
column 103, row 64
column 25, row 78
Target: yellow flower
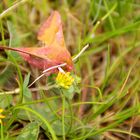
column 1, row 116
column 64, row 80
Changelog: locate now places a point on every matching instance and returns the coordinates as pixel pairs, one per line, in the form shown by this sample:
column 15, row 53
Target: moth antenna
column 59, row 66
column 45, row 71
column 54, row 67
column 80, row 53
column 36, row 79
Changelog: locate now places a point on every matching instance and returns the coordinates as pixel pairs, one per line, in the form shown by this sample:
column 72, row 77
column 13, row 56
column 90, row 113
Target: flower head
column 64, row 80
column 1, row 116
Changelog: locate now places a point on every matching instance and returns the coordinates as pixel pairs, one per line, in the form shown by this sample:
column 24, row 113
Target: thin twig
column 16, row 91
column 122, row 88
column 11, row 8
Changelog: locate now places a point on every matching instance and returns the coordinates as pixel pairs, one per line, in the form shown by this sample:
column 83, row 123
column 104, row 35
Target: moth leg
column 61, row 70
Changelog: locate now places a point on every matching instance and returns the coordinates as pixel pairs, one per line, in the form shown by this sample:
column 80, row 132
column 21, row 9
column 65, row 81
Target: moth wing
column 51, row 32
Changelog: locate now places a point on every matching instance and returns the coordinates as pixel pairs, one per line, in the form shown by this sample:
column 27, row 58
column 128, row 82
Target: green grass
column 104, row 101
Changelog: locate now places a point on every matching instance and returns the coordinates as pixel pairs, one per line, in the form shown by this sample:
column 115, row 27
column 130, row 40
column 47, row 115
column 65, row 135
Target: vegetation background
column 105, row 105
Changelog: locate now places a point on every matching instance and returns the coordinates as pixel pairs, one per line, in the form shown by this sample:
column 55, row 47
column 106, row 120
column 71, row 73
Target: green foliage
column 103, row 101
column 29, row 132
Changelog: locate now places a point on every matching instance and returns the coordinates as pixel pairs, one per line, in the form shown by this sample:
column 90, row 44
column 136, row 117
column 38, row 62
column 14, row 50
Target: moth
column 53, row 52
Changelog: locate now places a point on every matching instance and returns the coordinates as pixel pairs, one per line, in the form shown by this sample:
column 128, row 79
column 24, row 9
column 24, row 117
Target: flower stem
column 63, row 115
column 1, row 127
